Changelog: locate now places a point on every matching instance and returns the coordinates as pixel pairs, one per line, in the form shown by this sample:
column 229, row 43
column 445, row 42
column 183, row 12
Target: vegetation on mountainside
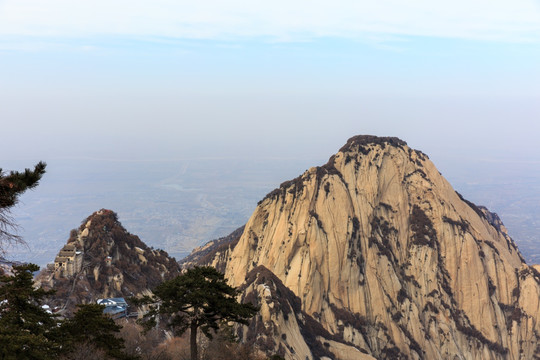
column 27, row 331
column 90, row 325
column 198, row 299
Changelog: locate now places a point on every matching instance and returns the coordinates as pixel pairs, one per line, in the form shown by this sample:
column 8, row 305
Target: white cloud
column 517, row 20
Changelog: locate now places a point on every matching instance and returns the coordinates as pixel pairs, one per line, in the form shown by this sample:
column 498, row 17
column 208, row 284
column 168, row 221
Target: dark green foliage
column 364, row 140
column 348, row 318
column 392, row 353
column 464, row 325
column 491, row 287
column 381, row 229
column 417, row 171
column 198, row 299
column 13, row 185
column 327, row 188
column 512, row 313
column 294, row 186
column 355, row 252
column 26, row 330
column 424, row 234
column 423, row 231
column 201, row 295
column 310, row 331
column 356, row 226
column 492, row 245
column 516, row 292
column 402, row 295
column 461, row 224
column 445, row 278
column 313, row 214
column 254, row 239
column 529, row 271
column 397, row 316
column 91, row 325
column 329, row 169
column 386, row 206
column 430, row 307
column 413, row 344
column 407, row 278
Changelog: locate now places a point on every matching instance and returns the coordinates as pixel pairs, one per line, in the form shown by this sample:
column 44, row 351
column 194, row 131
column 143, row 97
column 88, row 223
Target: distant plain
column 178, row 205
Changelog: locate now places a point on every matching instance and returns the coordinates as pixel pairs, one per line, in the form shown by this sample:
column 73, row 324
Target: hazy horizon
column 177, row 205
column 140, row 83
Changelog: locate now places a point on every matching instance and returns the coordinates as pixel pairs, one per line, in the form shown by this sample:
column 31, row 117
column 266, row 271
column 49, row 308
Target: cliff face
column 388, row 260
column 115, row 263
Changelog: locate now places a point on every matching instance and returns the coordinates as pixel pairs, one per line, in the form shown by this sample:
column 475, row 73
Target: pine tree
column 198, row 299
column 27, row 331
column 12, row 185
column 89, row 326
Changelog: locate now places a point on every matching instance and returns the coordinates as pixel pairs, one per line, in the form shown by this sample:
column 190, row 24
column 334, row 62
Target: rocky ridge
column 115, row 263
column 383, row 258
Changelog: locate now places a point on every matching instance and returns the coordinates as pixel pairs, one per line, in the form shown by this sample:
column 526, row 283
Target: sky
column 139, row 85
column 162, row 79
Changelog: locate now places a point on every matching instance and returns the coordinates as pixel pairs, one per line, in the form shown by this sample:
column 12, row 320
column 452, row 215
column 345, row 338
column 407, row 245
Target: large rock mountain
column 375, row 255
column 114, row 263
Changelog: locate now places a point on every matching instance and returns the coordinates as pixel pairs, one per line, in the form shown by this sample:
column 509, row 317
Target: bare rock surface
column 387, row 260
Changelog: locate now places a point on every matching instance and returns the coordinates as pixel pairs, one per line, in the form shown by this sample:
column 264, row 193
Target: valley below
column 178, row 205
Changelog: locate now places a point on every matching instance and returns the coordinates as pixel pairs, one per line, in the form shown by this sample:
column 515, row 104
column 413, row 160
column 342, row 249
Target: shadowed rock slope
column 115, row 263
column 375, row 255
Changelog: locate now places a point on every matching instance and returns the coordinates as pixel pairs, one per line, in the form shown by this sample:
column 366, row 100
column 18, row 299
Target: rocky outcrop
column 283, row 328
column 115, row 263
column 214, row 253
column 385, row 256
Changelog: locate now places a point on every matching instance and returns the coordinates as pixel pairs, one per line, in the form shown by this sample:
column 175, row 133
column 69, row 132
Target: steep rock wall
column 378, row 234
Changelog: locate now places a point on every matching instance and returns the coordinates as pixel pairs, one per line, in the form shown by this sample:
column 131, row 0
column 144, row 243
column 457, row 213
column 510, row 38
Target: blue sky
column 175, row 79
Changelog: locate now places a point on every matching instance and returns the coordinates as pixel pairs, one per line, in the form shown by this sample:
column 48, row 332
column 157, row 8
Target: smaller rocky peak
column 102, row 259
column 214, row 253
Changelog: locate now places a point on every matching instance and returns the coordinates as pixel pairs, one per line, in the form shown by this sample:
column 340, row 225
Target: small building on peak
column 68, row 262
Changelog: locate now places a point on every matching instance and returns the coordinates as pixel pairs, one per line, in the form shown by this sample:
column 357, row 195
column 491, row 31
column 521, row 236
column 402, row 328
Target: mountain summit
column 375, row 255
column 103, row 260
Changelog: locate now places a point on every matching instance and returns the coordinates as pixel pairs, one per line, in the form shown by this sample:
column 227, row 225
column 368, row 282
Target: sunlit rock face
column 387, row 259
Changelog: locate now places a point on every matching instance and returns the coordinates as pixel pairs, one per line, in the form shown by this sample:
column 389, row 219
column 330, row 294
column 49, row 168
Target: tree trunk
column 193, row 342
